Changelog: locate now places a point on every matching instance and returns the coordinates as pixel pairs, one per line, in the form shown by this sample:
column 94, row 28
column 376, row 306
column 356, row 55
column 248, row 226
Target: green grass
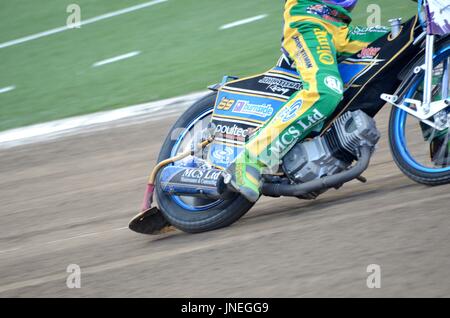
column 182, row 51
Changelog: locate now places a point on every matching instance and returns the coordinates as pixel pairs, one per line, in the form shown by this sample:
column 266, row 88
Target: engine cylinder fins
column 334, row 152
column 353, row 130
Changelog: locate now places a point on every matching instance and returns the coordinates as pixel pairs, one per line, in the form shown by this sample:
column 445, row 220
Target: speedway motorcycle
column 408, row 68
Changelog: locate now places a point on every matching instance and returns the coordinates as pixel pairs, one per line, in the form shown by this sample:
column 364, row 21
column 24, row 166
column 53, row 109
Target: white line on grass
column 97, row 121
column 241, row 22
column 116, row 58
column 7, row 89
column 85, row 22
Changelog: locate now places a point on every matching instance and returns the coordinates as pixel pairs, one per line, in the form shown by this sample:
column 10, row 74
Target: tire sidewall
column 221, row 215
column 428, row 178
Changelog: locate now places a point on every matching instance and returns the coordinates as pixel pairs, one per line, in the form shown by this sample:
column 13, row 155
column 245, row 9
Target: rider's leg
column 312, row 49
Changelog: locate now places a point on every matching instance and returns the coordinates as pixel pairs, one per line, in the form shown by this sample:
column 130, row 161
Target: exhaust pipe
column 195, row 182
column 210, row 183
column 334, row 181
column 150, row 220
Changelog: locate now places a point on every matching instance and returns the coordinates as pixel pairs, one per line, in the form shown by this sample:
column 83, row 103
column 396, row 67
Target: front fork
column 430, row 113
column 446, row 79
column 428, row 82
column 441, row 118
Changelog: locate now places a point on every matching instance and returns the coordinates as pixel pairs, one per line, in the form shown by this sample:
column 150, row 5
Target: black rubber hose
column 295, row 190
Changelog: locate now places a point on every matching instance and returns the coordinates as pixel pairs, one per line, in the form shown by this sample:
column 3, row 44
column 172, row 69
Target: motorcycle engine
column 334, row 151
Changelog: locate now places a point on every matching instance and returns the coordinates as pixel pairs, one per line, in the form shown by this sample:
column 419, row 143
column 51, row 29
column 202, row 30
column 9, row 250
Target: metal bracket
column 419, row 68
column 420, row 112
column 225, row 79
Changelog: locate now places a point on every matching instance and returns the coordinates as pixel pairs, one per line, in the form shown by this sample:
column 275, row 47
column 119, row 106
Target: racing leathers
column 315, row 34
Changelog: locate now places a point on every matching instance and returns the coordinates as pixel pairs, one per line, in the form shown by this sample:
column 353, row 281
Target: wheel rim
column 187, row 202
column 400, row 124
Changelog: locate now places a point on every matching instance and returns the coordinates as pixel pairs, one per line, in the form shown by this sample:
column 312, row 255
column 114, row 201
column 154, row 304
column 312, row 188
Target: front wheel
column 412, row 142
column 191, row 214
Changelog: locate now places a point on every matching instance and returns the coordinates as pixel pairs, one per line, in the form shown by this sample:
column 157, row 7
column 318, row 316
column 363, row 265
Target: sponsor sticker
column 222, row 154
column 324, row 50
column 290, row 112
column 310, row 120
column 245, row 107
column 301, row 54
column 294, row 132
column 198, row 176
column 359, row 30
column 334, row 84
column 325, row 12
column 278, row 85
column 225, row 103
column 236, row 132
column 278, row 89
column 369, row 52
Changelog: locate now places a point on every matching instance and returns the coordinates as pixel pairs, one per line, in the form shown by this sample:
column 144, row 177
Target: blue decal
column 291, row 112
column 253, row 108
column 222, row 155
column 349, row 71
column 245, row 107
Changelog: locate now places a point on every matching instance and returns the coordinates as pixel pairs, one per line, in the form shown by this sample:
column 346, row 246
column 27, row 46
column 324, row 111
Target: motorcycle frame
column 426, row 109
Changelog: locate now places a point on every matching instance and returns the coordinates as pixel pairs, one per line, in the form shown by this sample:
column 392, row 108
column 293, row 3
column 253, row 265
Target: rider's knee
column 332, row 99
column 332, row 92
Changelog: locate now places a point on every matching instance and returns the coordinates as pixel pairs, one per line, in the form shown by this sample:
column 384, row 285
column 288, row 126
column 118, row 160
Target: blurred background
column 67, row 201
column 180, row 44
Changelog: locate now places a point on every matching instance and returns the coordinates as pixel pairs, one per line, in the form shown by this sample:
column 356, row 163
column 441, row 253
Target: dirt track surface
column 69, row 202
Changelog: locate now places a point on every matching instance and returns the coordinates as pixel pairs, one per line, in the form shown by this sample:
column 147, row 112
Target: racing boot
column 244, row 177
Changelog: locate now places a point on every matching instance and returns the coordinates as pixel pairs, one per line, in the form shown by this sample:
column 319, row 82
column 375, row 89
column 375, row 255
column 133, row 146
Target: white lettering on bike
column 231, row 130
column 245, row 107
column 201, row 174
column 290, row 112
column 293, row 133
column 280, row 83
